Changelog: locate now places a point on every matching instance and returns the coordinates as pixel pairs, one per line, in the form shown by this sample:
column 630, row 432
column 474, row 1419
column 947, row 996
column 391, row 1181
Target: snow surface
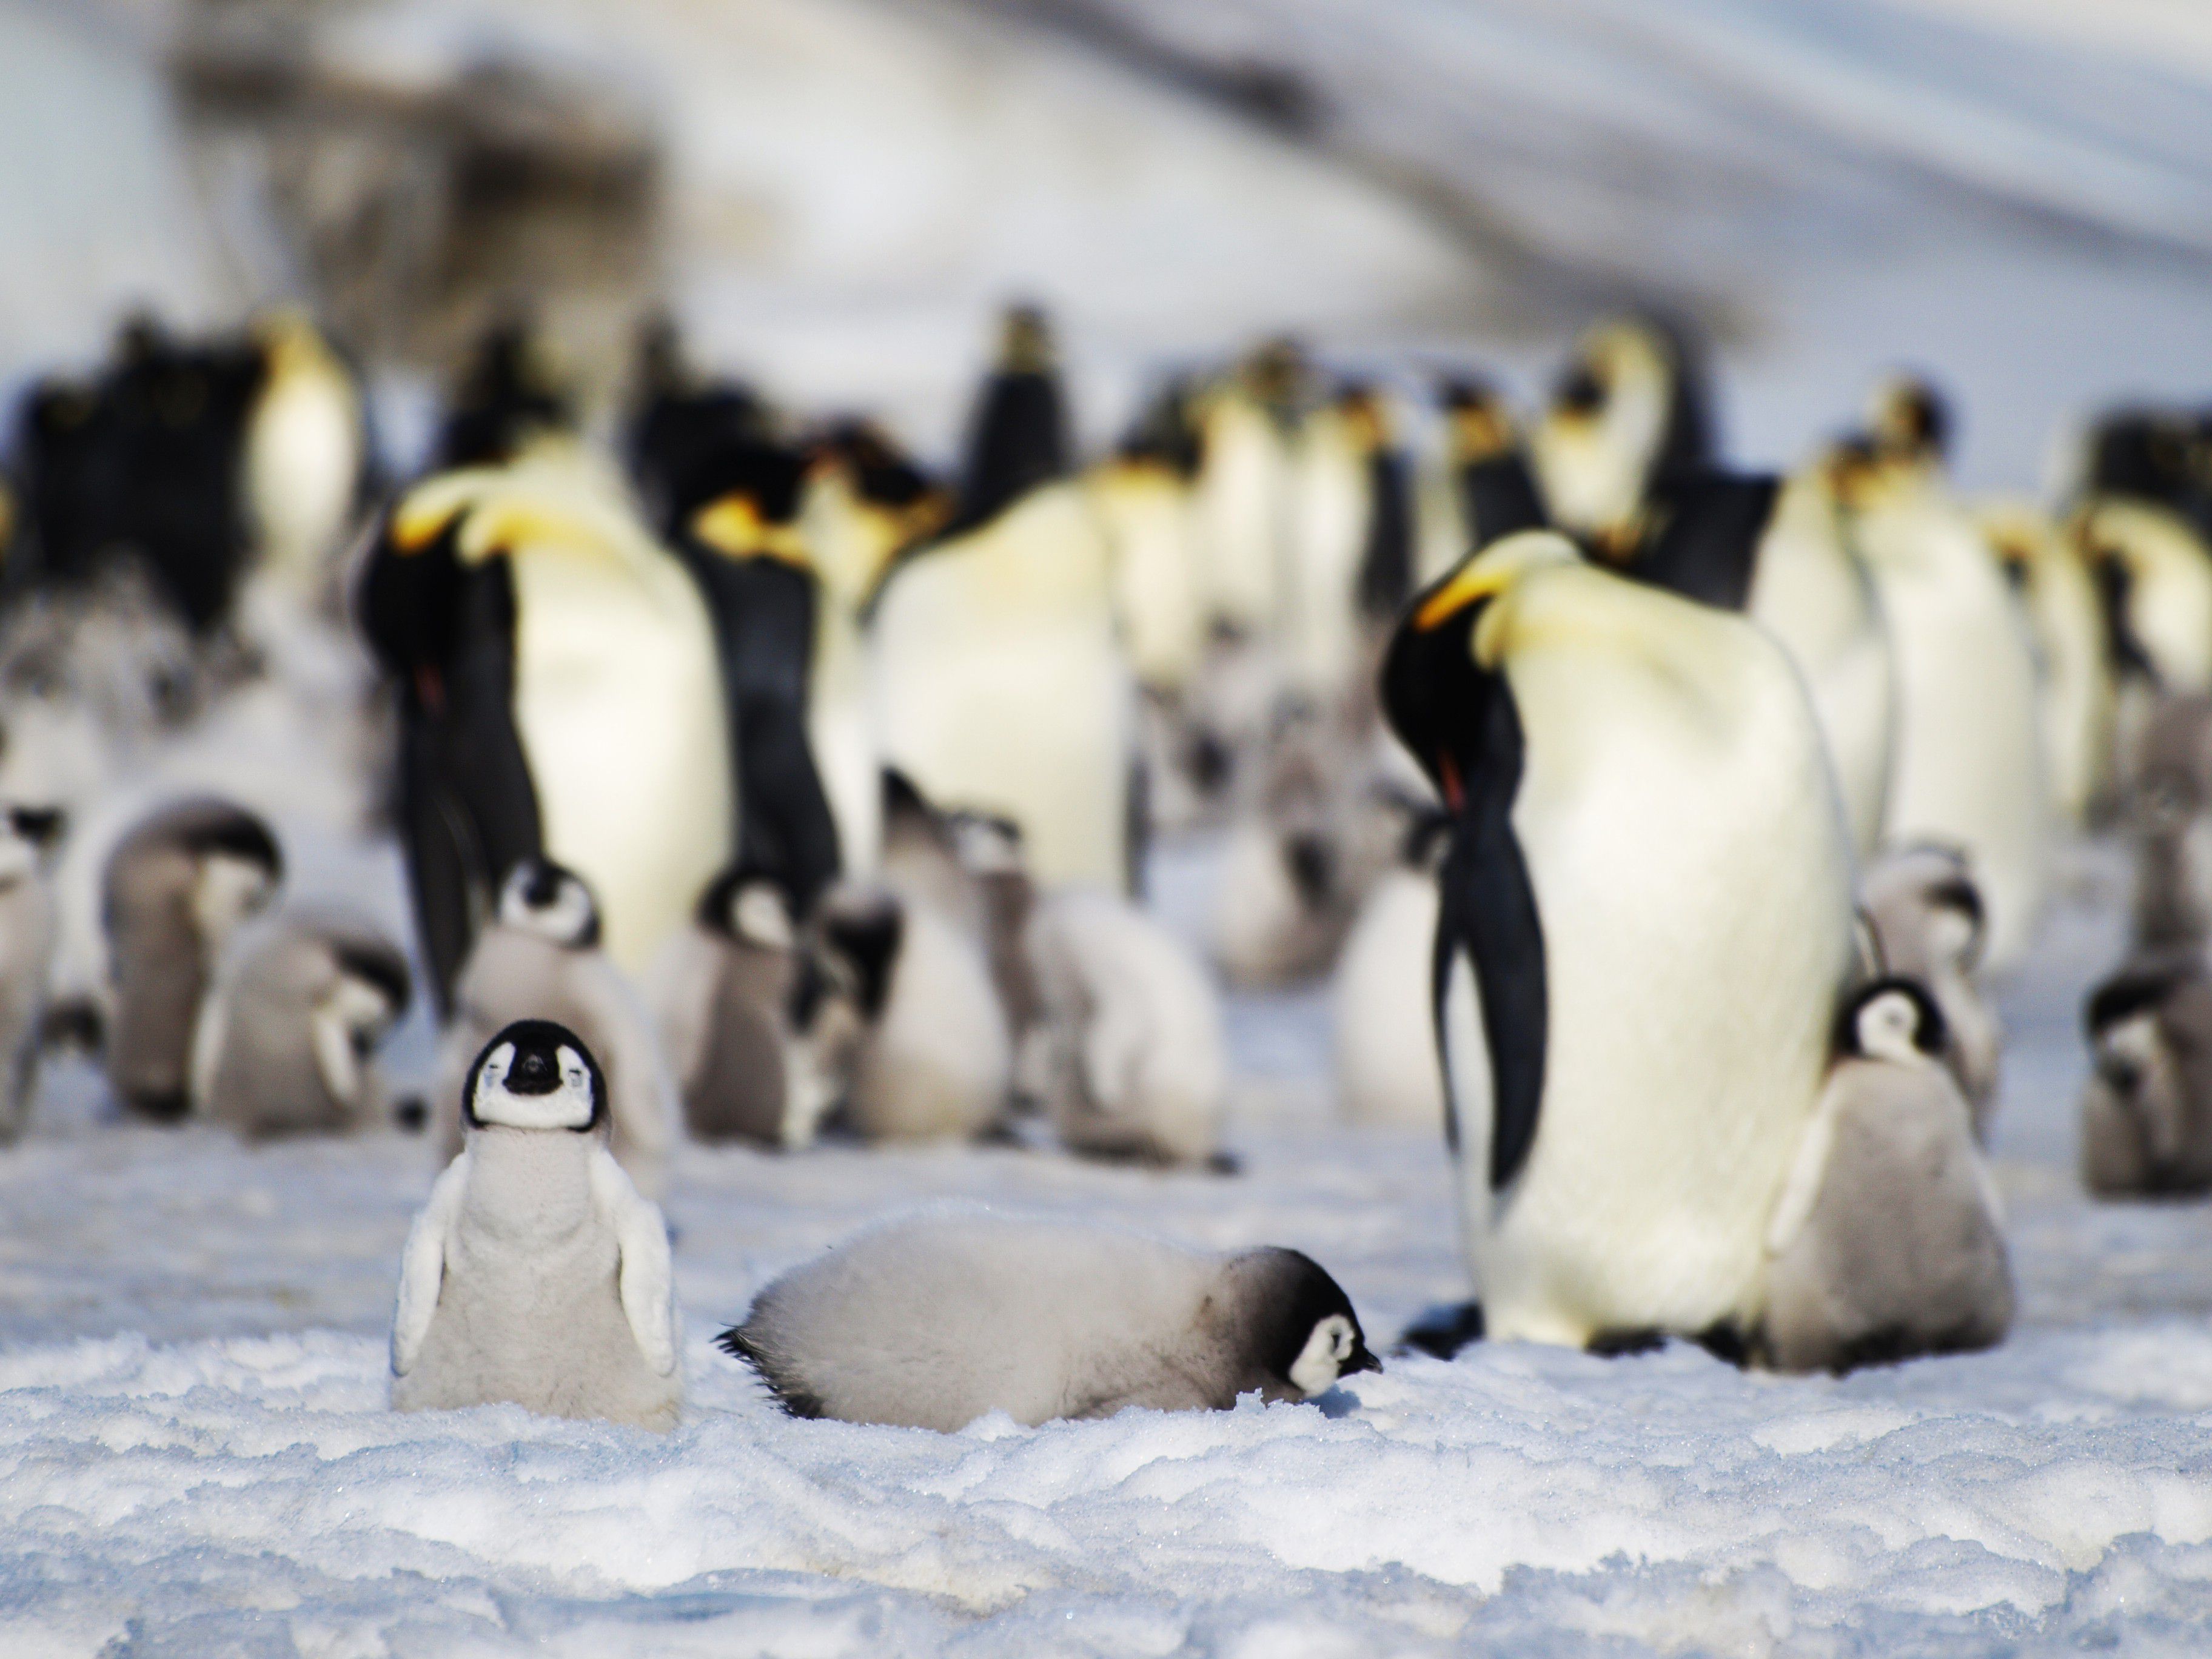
column 196, row 1455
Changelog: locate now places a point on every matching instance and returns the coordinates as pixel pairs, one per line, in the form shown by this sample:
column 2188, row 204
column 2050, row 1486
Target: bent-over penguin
column 933, row 1321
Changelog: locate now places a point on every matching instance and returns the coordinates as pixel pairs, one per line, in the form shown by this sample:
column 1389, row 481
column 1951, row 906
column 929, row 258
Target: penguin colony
column 1659, row 824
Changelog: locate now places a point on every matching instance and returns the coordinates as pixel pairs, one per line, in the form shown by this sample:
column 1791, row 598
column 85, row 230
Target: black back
column 1705, row 545
column 1017, row 434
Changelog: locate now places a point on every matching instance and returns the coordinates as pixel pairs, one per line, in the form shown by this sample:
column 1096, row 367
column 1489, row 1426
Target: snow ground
column 195, row 1455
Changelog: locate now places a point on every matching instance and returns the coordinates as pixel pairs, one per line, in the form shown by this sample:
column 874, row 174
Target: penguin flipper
column 645, row 1277
column 423, row 1266
column 1491, row 912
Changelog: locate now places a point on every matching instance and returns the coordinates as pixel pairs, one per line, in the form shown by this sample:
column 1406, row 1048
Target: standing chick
column 540, row 959
column 1926, row 914
column 175, row 889
column 2147, row 1117
column 933, row 1320
column 537, row 1274
column 1888, row 1240
column 286, row 1043
column 27, row 944
column 722, row 993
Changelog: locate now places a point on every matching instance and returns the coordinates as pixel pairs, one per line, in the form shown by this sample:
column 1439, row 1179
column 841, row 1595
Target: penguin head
column 540, row 896
column 1909, row 421
column 1479, row 421
column 536, row 1075
column 2144, row 1026
column 860, row 931
column 509, row 393
column 1441, row 688
column 236, row 865
column 1025, row 342
column 375, row 985
column 1165, row 435
column 29, row 836
column 749, row 499
column 1277, row 372
column 1366, row 416
column 1894, row 1019
column 748, row 905
column 1310, row 1336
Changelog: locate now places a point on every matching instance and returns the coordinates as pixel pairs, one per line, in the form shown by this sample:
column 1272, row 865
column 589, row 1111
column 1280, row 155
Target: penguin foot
column 73, row 1024
column 167, row 1107
column 1727, row 1343
column 1443, row 1332
column 1620, row 1344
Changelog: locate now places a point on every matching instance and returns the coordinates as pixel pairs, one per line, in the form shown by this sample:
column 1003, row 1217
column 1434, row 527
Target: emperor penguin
column 287, row 1041
column 1888, row 1242
column 541, row 957
column 2167, row 816
column 1387, row 1069
column 2057, row 591
column 1246, row 426
column 538, row 1275
column 680, row 420
column 865, row 502
column 2154, row 456
column 560, row 695
column 1138, row 1068
column 1144, row 495
column 307, row 456
column 1350, row 542
column 1629, row 412
column 28, row 836
column 935, row 1319
column 1491, row 492
column 175, row 889
column 723, row 993
column 1811, row 590
column 2147, row 1114
column 1968, row 769
column 735, row 525
column 1000, row 684
column 1925, row 912
column 1645, row 921
column 916, row 1032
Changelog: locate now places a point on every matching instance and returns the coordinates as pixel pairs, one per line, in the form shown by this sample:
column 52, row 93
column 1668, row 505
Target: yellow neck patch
column 732, row 526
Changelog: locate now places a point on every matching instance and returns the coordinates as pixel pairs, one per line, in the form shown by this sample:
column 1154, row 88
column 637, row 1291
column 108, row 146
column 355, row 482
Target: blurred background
column 834, row 196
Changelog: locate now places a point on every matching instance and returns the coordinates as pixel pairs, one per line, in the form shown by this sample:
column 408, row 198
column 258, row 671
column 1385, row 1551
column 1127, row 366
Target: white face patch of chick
column 567, row 919
column 567, row 1107
column 227, row 890
column 1886, row 1027
column 759, row 916
column 1324, row 1358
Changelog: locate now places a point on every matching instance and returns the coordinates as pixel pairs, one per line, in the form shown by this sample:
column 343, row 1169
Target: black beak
column 1362, row 1360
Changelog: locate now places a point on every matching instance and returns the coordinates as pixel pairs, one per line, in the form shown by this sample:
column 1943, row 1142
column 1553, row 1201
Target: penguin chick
column 175, row 888
column 2146, row 1114
column 27, row 834
column 537, row 1274
column 2167, row 812
column 1387, row 1070
column 1888, row 1240
column 1288, row 886
column 933, row 1321
column 929, row 1056
column 722, row 994
column 1925, row 912
column 540, row 959
column 1133, row 1029
column 286, row 1043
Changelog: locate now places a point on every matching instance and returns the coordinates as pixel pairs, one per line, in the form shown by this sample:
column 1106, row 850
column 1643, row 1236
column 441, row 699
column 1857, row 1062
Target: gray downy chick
column 174, row 890
column 1888, row 1240
column 537, row 1275
column 933, row 1320
column 2147, row 1113
column 1926, row 916
column 287, row 1042
column 723, row 993
column 2167, row 810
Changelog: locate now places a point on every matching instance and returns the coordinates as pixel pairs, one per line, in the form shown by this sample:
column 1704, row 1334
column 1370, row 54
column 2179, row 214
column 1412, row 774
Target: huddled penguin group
column 1659, row 825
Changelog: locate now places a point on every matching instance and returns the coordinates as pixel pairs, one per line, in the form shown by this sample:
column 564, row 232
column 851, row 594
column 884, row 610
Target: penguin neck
column 530, row 1182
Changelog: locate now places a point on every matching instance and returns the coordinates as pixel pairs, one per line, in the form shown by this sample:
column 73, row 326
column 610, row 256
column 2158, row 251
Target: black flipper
column 1706, row 546
column 1386, row 568
column 1489, row 913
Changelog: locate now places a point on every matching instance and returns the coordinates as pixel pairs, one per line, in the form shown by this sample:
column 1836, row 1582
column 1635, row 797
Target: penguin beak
column 1362, row 1358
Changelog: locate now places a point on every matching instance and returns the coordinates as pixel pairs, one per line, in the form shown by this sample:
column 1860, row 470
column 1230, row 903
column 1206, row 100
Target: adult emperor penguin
column 2057, row 591
column 561, row 693
column 736, row 527
column 175, row 889
column 541, row 957
column 723, row 993
column 1968, row 769
column 1144, row 495
column 865, row 502
column 537, row 1274
column 1925, row 912
column 1350, row 542
column 1246, row 426
column 1888, row 1242
column 1628, row 413
column 1645, row 921
column 1000, row 682
column 2146, row 1115
column 27, row 838
column 933, row 1321
column 307, row 456
column 287, row 1041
